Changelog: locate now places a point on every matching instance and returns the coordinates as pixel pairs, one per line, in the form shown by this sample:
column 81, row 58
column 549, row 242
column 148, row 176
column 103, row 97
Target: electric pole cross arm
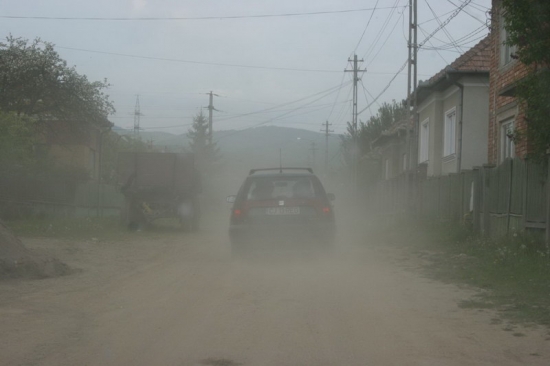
column 211, row 109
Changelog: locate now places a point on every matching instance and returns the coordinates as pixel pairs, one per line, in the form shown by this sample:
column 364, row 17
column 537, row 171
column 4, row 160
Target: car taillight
column 236, row 216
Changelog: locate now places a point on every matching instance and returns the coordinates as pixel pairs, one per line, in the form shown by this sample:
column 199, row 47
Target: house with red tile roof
column 453, row 114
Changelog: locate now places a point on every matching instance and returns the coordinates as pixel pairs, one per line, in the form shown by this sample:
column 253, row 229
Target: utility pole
column 327, row 132
column 210, row 113
column 137, row 115
column 355, row 148
column 412, row 74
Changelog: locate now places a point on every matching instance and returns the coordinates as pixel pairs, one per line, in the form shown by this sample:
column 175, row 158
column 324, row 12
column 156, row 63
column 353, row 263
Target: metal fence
column 495, row 200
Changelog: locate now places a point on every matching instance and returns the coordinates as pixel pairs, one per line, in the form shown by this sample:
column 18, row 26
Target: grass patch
column 88, row 228
column 515, row 270
column 73, row 228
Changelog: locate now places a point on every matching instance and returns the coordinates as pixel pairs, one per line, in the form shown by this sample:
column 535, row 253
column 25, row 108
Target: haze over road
column 169, row 298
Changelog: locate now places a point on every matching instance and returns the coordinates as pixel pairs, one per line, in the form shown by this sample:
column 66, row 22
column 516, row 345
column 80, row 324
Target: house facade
column 506, row 115
column 393, row 150
column 453, row 114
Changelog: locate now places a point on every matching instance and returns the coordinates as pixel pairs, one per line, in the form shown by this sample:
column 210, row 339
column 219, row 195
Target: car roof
column 288, row 171
column 277, row 174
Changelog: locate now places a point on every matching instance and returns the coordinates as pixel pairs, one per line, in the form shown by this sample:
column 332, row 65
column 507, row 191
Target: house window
column 506, row 51
column 449, row 142
column 424, row 141
column 387, row 169
column 507, row 147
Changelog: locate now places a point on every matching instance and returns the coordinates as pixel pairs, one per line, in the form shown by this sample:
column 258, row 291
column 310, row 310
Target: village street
column 170, row 298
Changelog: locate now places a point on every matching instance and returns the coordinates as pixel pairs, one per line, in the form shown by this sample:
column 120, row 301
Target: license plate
column 282, row 211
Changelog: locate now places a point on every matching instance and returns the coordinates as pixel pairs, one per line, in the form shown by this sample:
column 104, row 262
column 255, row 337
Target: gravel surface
column 171, row 298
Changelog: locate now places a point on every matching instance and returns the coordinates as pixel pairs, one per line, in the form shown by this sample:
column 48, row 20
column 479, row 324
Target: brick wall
column 502, row 77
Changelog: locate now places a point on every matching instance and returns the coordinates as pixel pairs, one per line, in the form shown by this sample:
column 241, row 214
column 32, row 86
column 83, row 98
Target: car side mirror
column 331, row 196
column 231, row 199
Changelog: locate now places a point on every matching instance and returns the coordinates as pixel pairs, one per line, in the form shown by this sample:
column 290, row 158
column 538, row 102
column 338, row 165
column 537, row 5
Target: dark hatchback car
column 281, row 207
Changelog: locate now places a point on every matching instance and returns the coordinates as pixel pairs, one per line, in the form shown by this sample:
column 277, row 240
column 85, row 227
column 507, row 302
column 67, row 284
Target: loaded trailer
column 159, row 185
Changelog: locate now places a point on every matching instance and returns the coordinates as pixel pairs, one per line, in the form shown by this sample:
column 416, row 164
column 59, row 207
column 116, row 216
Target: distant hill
column 258, row 146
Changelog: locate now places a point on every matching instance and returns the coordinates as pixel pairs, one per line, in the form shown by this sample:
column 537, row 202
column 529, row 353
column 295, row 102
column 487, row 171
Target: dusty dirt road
column 167, row 298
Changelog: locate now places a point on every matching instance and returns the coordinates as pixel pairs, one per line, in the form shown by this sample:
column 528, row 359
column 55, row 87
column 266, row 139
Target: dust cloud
column 167, row 297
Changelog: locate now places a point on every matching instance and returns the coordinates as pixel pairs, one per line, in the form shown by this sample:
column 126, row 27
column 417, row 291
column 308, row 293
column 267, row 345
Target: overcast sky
column 261, row 51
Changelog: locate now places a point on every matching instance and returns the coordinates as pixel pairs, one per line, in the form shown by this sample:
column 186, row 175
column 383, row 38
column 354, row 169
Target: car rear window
column 265, row 188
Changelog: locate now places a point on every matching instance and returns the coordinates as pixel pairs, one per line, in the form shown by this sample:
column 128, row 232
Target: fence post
column 524, row 196
column 438, row 198
column 476, row 178
column 509, row 202
column 547, row 234
column 462, row 179
column 485, row 193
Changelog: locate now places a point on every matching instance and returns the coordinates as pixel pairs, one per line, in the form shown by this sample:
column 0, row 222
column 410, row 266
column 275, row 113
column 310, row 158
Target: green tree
column 206, row 152
column 17, row 143
column 527, row 23
column 35, row 81
column 388, row 114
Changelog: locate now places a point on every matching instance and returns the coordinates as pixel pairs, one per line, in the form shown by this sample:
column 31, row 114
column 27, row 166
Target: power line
column 464, row 40
column 192, row 18
column 197, row 62
column 337, row 96
column 232, row 116
column 386, row 40
column 365, row 92
column 345, row 108
column 385, row 88
column 433, row 47
column 208, row 63
column 435, row 18
column 334, row 88
column 381, row 31
column 451, row 49
column 442, row 25
column 472, row 16
column 474, row 5
column 366, row 27
column 317, row 107
column 325, row 94
column 443, row 28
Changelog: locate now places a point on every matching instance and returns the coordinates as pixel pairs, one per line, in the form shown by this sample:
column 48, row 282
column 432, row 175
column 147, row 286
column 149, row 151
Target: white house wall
column 475, row 128
column 432, row 109
column 449, row 163
column 474, row 125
